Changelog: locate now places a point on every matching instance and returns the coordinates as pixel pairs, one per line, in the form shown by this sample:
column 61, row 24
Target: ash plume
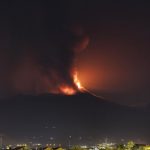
column 38, row 55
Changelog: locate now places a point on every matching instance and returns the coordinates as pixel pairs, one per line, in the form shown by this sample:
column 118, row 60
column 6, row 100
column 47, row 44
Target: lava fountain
column 71, row 90
column 77, row 81
column 68, row 90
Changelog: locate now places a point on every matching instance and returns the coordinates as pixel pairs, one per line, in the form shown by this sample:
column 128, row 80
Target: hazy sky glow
column 118, row 54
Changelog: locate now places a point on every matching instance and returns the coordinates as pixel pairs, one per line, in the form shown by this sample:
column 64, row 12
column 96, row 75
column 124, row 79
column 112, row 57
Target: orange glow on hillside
column 67, row 90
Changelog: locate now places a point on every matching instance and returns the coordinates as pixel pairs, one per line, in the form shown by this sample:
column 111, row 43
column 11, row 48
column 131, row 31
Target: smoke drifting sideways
column 38, row 66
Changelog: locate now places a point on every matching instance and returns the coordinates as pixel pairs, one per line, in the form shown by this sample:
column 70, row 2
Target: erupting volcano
column 68, row 90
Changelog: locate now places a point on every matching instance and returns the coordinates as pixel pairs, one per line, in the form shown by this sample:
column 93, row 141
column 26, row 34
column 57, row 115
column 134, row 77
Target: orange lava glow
column 77, row 82
column 67, row 90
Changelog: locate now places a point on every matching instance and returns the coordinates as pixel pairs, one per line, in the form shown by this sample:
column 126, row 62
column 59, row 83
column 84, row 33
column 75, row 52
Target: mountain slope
column 82, row 115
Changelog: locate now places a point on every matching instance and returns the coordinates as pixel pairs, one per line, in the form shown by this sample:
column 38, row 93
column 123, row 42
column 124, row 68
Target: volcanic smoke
column 78, row 45
column 37, row 66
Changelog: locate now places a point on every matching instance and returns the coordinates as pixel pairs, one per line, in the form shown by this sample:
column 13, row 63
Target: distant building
column 106, row 145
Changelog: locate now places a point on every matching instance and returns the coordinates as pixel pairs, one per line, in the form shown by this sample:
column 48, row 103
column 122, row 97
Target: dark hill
column 81, row 115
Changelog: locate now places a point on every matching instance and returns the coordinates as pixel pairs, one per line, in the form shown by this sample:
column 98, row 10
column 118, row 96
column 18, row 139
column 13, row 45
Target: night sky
column 42, row 43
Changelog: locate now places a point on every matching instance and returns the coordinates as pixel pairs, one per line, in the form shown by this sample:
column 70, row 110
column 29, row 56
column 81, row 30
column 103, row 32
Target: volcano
column 87, row 119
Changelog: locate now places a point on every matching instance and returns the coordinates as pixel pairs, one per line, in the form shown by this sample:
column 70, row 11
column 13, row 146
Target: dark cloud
column 41, row 47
